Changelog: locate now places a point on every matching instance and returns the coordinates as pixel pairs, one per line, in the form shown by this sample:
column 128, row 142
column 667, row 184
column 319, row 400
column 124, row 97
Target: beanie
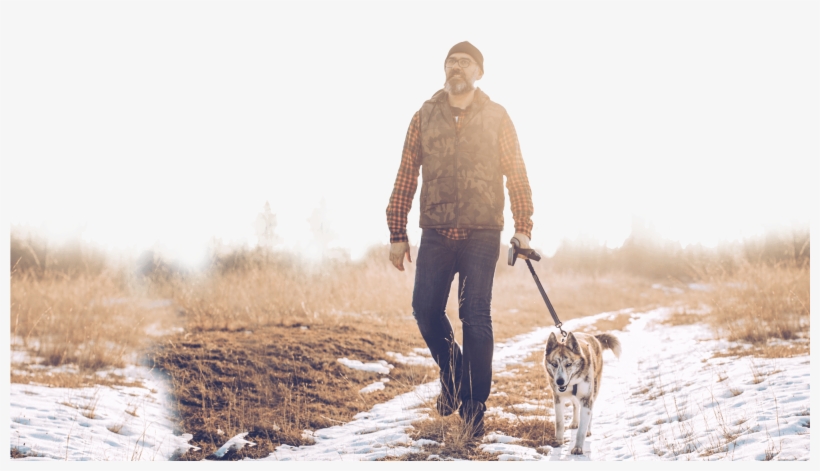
column 467, row 48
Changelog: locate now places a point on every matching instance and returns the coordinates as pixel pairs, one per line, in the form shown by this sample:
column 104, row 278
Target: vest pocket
column 440, row 191
column 438, row 202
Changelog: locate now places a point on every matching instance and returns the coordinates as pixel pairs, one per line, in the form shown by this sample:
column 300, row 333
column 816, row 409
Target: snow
column 97, row 423
column 666, row 398
column 498, row 437
column 377, row 433
column 422, row 358
column 373, row 387
column 382, row 367
column 700, row 287
column 235, row 443
column 667, row 289
column 696, row 404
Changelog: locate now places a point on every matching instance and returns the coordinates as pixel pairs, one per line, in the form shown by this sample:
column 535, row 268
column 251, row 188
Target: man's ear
column 480, row 74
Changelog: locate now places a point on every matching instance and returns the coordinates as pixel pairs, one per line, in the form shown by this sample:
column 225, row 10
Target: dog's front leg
column 586, row 417
column 559, row 418
column 576, row 408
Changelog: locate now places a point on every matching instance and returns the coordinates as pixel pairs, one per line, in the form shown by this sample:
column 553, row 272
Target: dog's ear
column 552, row 343
column 572, row 344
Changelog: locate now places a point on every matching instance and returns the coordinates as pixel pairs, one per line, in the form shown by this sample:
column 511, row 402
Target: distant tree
column 266, row 228
column 322, row 235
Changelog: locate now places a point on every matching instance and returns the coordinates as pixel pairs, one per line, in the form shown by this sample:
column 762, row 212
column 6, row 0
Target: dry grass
column 760, row 303
column 453, row 438
column 90, row 321
column 617, row 322
column 525, row 384
column 253, row 291
column 263, row 332
column 115, row 428
column 72, row 380
column 276, row 381
column 88, row 407
column 765, row 351
column 683, row 316
column 17, row 454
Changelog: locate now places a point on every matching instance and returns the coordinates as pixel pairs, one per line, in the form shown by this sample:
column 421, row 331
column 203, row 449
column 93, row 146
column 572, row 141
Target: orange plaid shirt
column 512, row 165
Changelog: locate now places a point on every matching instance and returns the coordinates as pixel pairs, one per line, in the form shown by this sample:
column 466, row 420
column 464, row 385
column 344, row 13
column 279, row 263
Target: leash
column 530, row 254
column 557, row 321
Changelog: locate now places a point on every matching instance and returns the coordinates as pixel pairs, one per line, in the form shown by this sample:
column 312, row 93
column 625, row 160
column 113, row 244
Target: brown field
column 261, row 332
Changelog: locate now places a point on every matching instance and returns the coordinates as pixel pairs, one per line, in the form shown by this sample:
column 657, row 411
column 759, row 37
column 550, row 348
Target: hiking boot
column 472, row 412
column 446, row 404
column 450, row 379
column 447, row 401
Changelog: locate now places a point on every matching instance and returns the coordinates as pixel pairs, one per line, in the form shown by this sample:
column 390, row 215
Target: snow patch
column 114, row 423
column 381, row 367
column 413, row 359
column 235, row 443
column 373, row 387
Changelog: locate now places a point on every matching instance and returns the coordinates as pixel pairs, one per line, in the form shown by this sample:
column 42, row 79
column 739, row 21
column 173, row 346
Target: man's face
column 461, row 79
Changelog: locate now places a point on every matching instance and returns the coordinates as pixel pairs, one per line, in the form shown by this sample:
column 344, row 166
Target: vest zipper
column 455, row 157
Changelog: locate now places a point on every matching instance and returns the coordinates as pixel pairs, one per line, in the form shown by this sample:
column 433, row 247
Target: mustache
column 455, row 73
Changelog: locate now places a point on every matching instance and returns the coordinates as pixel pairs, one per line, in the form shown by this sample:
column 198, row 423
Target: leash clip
column 563, row 333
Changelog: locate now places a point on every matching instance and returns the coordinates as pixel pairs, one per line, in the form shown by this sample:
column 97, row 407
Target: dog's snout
column 560, row 381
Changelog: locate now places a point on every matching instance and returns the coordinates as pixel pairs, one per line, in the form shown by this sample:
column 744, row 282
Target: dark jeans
column 469, row 371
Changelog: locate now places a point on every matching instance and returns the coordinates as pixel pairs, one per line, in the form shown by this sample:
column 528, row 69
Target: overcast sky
column 165, row 124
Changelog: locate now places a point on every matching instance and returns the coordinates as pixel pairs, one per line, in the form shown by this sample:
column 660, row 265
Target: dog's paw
column 573, row 425
column 589, row 433
column 577, row 451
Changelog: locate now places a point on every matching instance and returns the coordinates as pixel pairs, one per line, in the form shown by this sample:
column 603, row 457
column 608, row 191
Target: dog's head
column 562, row 360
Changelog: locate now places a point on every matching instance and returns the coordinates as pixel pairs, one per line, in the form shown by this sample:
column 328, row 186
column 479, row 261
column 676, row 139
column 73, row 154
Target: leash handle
column 558, row 323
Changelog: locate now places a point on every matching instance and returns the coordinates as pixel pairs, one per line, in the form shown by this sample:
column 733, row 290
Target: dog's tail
column 611, row 342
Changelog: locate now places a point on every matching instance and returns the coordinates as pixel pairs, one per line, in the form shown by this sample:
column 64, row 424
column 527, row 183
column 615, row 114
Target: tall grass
column 69, row 305
column 762, row 302
column 86, row 320
column 647, row 255
column 248, row 289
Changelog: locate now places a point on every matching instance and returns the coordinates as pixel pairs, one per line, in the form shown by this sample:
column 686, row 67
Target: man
column 464, row 144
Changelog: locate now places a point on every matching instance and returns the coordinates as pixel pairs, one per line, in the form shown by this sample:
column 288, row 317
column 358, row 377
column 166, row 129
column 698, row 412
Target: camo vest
column 462, row 183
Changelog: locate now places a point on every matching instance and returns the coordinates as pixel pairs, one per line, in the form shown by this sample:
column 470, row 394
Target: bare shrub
column 32, row 253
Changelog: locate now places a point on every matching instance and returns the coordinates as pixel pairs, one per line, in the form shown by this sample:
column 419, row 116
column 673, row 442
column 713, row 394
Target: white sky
column 164, row 124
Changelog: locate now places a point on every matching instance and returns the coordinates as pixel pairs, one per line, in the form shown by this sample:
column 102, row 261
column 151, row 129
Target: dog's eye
column 568, row 365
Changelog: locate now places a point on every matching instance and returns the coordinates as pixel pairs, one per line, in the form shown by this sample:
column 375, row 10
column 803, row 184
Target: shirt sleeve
column 518, row 186
column 401, row 200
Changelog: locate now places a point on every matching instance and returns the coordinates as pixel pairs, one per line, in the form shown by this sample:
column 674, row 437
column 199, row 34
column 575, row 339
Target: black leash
column 531, row 254
column 558, row 323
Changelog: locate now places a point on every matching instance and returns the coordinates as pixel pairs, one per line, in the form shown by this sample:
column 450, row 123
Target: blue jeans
column 468, row 372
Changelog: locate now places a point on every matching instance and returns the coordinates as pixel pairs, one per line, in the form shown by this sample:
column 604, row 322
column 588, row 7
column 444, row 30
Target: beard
column 457, row 84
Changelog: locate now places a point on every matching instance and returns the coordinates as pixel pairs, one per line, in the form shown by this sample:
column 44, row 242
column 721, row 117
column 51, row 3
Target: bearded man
column 464, row 145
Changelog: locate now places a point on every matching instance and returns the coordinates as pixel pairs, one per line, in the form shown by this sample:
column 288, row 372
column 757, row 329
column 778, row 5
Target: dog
column 574, row 369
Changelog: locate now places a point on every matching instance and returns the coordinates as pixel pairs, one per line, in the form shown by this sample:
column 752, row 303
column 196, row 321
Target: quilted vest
column 462, row 182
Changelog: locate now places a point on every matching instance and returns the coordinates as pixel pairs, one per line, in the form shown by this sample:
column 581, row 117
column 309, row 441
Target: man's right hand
column 397, row 253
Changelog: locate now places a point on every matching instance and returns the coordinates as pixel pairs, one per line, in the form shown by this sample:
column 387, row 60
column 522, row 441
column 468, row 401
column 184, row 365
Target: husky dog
column 574, row 370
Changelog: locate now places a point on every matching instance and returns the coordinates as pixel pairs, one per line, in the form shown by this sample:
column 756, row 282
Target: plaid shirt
column 512, row 165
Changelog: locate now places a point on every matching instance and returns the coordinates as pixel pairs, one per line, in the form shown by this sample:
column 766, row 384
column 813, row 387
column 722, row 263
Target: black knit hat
column 467, row 48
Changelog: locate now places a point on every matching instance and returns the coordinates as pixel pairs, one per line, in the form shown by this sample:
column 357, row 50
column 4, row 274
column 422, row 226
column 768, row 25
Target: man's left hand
column 523, row 242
